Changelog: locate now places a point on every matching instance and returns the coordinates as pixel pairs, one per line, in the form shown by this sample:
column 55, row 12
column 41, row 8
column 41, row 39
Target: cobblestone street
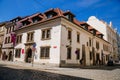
column 27, row 74
column 13, row 71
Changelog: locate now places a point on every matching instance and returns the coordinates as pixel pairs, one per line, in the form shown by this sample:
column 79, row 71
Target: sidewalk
column 90, row 73
column 26, row 65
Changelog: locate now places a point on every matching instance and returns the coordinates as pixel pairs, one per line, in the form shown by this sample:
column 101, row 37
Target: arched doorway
column 10, row 56
column 28, row 56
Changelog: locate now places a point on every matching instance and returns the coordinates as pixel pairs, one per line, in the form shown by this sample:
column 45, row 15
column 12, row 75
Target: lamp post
column 33, row 53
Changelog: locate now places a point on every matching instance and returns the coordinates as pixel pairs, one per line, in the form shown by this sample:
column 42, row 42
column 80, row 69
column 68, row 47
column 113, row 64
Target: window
column 7, row 30
column 69, row 17
column 26, row 22
column 13, row 28
column 8, row 39
column 17, row 53
column 30, row 36
column 78, row 37
column 69, row 34
column 36, row 19
column 107, row 57
column 77, row 54
column 49, row 16
column 90, row 55
column 89, row 41
column 105, row 47
column 97, row 45
column 69, row 53
column 45, row 52
column 5, row 40
column 19, row 39
column 46, row 34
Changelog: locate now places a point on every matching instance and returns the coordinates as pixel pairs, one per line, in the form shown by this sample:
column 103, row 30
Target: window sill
column 68, row 59
column 46, row 39
column 44, row 58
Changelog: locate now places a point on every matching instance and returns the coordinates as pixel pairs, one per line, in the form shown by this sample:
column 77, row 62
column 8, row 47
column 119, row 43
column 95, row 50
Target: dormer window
column 85, row 26
column 100, row 36
column 93, row 31
column 50, row 14
column 36, row 19
column 26, row 22
column 69, row 16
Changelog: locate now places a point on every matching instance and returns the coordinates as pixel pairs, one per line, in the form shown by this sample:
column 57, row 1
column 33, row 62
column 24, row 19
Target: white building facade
column 2, row 30
column 58, row 40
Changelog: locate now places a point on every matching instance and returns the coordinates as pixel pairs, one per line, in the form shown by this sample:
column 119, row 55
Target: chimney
column 110, row 24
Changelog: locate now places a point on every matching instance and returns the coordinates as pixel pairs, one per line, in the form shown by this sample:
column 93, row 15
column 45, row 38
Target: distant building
column 2, row 30
column 108, row 31
column 118, row 42
column 8, row 47
column 56, row 37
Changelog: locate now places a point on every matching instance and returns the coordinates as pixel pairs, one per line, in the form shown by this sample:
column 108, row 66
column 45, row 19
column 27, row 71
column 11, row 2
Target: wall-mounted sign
column 34, row 45
column 54, row 46
column 22, row 51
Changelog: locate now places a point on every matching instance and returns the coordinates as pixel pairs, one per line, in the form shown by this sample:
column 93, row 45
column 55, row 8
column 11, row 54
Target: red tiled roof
column 90, row 28
column 99, row 33
column 60, row 13
column 34, row 15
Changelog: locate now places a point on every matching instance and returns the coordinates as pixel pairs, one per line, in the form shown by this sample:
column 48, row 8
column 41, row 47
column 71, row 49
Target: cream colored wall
column 84, row 38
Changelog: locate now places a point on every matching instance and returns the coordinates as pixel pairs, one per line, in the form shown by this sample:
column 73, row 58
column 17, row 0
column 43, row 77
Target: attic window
column 84, row 26
column 100, row 36
column 36, row 19
column 50, row 14
column 26, row 22
column 69, row 16
column 93, row 31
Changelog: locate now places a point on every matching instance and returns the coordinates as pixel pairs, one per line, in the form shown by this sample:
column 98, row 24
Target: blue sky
column 107, row 10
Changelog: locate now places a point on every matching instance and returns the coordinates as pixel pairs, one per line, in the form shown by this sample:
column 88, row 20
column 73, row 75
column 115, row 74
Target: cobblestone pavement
column 28, row 74
column 22, row 71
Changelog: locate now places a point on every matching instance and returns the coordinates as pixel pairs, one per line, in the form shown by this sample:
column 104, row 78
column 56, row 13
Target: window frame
column 45, row 52
column 30, row 36
column 18, row 52
column 69, row 53
column 78, row 55
column 19, row 39
column 45, row 35
column 78, row 38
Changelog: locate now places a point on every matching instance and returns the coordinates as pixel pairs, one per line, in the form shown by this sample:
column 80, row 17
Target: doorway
column 10, row 57
column 97, row 59
column 28, row 56
column 83, row 55
column 4, row 56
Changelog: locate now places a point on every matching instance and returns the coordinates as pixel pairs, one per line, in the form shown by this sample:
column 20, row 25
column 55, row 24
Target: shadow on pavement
column 102, row 67
column 28, row 74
